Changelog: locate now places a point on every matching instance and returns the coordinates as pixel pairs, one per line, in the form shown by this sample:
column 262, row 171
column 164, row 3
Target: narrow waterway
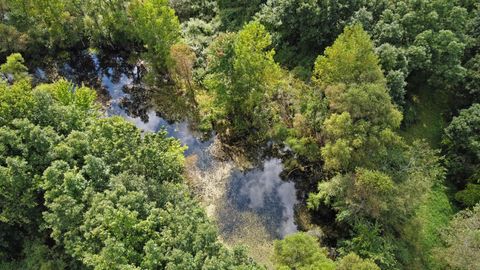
column 252, row 206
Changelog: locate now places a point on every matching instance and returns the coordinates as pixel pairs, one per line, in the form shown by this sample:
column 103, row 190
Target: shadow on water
column 251, row 198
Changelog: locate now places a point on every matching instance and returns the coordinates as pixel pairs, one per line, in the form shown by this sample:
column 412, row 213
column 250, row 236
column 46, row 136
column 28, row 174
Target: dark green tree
column 461, row 141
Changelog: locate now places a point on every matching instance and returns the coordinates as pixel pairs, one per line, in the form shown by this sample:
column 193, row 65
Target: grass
column 429, row 107
column 423, row 231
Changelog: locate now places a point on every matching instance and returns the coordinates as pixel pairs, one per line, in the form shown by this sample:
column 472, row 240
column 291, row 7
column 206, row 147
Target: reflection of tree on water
column 263, row 192
column 252, row 207
column 137, row 93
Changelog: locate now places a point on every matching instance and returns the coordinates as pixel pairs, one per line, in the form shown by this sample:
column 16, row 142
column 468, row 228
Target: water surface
column 243, row 201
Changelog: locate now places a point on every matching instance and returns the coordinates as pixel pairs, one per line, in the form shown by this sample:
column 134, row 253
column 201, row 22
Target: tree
column 199, row 9
column 94, row 192
column 181, row 67
column 472, row 84
column 428, row 37
column 14, row 69
column 462, row 241
column 234, row 14
column 373, row 180
column 299, row 27
column 113, row 28
column 49, row 24
column 156, row 25
column 461, row 143
column 301, row 251
column 369, row 240
column 353, row 261
column 351, row 59
column 361, row 126
column 387, row 197
column 18, row 192
column 242, row 76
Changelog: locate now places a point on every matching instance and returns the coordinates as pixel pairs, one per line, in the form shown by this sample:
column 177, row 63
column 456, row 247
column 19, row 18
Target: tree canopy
column 94, row 192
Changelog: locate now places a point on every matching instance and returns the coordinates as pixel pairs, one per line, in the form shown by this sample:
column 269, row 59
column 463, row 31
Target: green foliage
column 394, row 63
column 423, row 231
column 379, row 182
column 66, row 93
column 461, row 241
column 472, row 84
column 301, row 251
column 362, row 116
column 375, row 195
column 462, row 143
column 470, row 195
column 98, row 191
column 368, row 241
column 444, row 51
column 199, row 9
column 14, row 69
column 16, row 93
column 113, row 28
column 12, row 40
column 242, row 77
column 353, row 261
column 235, row 13
column 50, row 26
column 302, row 29
column 199, row 34
column 427, row 37
column 349, row 60
column 359, row 131
column 155, row 24
column 82, row 191
column 18, row 192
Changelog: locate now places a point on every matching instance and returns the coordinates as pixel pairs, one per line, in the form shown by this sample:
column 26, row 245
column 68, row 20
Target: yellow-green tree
column 242, row 77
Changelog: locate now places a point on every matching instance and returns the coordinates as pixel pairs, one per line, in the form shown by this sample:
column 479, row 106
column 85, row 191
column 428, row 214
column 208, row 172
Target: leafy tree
column 462, row 241
column 472, row 84
column 81, row 191
column 359, row 132
column 12, row 40
column 351, row 59
column 299, row 28
column 348, row 112
column 301, row 251
column 362, row 116
column 394, row 62
column 199, row 9
column 181, row 67
column 353, row 261
column 374, row 181
column 113, row 28
column 462, row 142
column 429, row 35
column 157, row 27
column 49, row 24
column 235, row 13
column 242, row 78
column 388, row 197
column 18, row 192
column 199, row 34
column 14, row 69
column 369, row 240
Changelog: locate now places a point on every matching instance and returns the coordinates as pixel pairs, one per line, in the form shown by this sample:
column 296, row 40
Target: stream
column 251, row 207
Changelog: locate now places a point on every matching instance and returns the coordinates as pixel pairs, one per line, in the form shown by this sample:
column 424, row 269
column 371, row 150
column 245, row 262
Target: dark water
column 119, row 83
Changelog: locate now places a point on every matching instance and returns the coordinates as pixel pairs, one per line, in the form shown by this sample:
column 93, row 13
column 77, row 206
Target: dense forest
column 362, row 115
